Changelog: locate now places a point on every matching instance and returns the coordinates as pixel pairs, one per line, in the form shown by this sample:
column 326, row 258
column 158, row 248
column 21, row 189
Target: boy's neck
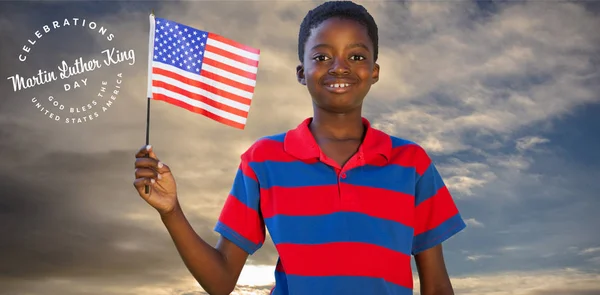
column 348, row 126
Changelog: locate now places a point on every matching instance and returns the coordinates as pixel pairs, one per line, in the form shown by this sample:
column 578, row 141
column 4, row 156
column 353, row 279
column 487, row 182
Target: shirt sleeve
column 436, row 216
column 240, row 220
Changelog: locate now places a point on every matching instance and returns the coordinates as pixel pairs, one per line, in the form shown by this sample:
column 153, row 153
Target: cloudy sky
column 504, row 96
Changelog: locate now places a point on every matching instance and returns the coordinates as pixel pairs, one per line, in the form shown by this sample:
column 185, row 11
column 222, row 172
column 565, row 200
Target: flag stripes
column 203, row 72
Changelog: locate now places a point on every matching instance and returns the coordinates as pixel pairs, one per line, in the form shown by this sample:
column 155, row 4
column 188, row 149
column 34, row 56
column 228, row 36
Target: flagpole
column 149, row 92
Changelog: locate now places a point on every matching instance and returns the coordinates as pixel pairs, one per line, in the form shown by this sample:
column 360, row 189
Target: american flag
column 201, row 71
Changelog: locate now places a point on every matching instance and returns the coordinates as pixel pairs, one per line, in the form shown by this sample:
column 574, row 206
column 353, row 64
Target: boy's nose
column 339, row 67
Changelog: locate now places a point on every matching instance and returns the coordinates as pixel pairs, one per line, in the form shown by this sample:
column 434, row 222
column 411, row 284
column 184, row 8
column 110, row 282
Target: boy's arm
column 433, row 276
column 242, row 232
column 216, row 269
column 436, row 219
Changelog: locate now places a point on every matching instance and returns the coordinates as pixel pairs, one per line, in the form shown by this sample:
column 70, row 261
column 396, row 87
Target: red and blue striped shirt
column 339, row 230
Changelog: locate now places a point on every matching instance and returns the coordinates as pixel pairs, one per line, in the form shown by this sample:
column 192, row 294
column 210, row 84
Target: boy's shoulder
column 402, row 143
column 408, row 152
column 265, row 146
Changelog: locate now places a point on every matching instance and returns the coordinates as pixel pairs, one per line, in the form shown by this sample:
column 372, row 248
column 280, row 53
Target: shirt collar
column 300, row 143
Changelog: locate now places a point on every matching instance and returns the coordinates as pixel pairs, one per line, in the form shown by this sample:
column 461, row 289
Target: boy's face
column 338, row 67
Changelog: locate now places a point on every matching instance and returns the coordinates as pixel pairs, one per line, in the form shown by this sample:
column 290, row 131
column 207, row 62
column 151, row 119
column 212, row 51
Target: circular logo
column 79, row 88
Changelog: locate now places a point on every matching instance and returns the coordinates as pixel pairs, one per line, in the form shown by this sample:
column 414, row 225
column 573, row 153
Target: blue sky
column 540, row 220
column 503, row 95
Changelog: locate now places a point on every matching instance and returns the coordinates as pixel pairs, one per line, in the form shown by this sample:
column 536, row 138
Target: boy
column 346, row 205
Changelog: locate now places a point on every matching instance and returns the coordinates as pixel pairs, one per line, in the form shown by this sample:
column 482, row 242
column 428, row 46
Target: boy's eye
column 357, row 57
column 320, row 58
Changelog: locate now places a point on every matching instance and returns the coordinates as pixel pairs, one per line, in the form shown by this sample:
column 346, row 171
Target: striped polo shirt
column 339, row 230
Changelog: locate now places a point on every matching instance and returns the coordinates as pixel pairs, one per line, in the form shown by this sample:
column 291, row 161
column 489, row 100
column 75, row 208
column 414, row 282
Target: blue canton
column 179, row 45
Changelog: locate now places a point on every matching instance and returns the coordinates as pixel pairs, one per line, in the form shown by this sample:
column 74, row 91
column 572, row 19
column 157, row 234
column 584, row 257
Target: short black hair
column 342, row 9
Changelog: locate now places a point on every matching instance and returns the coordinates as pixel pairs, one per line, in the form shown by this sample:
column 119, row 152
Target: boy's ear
column 300, row 74
column 375, row 75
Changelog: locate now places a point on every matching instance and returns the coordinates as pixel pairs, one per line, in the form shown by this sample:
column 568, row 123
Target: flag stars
column 183, row 46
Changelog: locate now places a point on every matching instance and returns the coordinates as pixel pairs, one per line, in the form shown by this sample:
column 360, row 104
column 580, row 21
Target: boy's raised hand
column 150, row 171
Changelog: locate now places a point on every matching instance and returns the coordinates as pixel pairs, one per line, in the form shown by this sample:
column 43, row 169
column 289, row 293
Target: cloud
column 570, row 281
column 52, row 229
column 589, row 251
column 529, row 142
column 472, row 222
column 559, row 281
column 463, row 178
column 457, row 76
column 513, row 248
column 478, row 257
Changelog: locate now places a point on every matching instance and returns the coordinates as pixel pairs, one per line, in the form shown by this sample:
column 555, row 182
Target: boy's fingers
column 145, row 173
column 140, row 183
column 151, row 165
column 146, row 151
column 142, row 152
column 151, row 154
column 162, row 167
column 146, row 163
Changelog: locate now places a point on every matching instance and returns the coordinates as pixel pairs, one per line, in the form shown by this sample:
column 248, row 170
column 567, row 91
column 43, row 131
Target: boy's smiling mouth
column 339, row 86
